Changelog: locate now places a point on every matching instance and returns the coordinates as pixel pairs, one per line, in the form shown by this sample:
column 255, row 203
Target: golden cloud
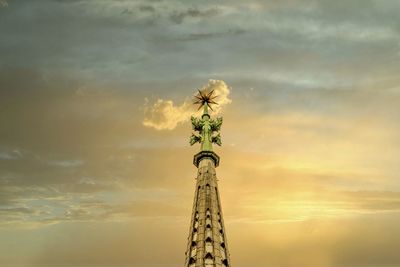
column 166, row 115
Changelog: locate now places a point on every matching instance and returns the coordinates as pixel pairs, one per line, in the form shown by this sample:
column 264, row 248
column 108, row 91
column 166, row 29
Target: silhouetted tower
column 207, row 244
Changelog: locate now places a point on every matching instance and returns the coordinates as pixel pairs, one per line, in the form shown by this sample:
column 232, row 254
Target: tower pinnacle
column 205, row 126
column 207, row 244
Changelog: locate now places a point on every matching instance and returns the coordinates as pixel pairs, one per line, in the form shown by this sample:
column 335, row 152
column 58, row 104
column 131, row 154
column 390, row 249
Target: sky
column 95, row 100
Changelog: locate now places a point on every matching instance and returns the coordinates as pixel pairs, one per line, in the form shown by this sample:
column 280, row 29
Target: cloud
column 165, row 115
column 208, row 35
column 66, row 163
column 316, row 166
column 10, row 155
column 146, row 8
column 178, row 17
column 3, row 3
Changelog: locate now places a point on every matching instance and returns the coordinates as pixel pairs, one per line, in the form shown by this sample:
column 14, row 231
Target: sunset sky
column 95, row 96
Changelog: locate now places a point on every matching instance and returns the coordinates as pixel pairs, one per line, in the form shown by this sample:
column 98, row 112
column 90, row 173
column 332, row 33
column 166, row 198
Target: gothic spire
column 207, row 243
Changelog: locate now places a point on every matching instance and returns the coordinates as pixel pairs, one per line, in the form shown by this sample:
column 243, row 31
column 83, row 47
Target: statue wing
column 216, row 124
column 197, row 124
column 217, row 139
column 194, row 139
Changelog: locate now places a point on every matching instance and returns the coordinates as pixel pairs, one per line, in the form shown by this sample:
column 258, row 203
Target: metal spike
column 210, row 93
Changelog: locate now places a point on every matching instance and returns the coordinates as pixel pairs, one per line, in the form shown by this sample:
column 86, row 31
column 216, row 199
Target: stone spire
column 207, row 244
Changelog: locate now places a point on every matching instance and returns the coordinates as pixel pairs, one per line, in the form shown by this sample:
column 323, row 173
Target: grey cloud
column 3, row 3
column 290, row 36
column 92, row 186
column 157, row 15
column 13, row 211
column 23, row 216
column 10, row 155
column 127, row 11
column 14, row 195
column 81, row 210
column 367, row 13
column 76, row 214
column 66, row 163
column 208, row 35
column 90, row 211
column 145, row 8
column 179, row 16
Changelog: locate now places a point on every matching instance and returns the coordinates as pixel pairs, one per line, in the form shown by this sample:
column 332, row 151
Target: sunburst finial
column 205, row 98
